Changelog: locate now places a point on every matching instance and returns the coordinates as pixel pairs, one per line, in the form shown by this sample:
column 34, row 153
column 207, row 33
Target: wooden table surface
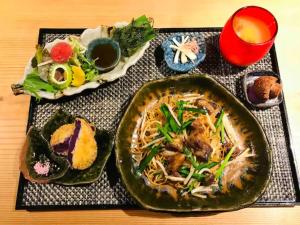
column 20, row 22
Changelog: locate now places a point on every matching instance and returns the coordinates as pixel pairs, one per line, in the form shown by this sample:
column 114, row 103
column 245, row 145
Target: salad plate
column 41, row 75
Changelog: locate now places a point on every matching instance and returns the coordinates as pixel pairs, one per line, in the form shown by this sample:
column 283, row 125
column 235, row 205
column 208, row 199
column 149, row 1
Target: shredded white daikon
column 190, row 106
column 192, row 95
column 191, row 99
column 173, row 114
column 172, row 178
column 168, row 153
column 45, row 63
column 162, row 168
column 154, row 162
column 204, row 170
column 202, row 189
column 199, row 195
column 241, row 157
column 153, row 142
column 211, row 125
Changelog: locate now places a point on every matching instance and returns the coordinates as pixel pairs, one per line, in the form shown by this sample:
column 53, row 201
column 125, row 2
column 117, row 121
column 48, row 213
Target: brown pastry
column 275, row 90
column 266, row 87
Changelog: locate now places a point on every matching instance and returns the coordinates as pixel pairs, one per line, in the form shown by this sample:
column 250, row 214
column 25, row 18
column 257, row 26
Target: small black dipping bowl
column 106, row 53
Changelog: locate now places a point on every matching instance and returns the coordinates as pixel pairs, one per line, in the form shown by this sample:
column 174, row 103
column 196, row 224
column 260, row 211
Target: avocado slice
column 60, row 75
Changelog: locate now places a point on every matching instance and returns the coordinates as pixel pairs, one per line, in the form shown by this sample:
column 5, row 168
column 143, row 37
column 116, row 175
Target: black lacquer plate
column 105, row 106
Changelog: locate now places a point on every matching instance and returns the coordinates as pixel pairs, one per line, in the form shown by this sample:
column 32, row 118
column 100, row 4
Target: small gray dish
column 104, row 42
column 248, row 82
column 169, row 53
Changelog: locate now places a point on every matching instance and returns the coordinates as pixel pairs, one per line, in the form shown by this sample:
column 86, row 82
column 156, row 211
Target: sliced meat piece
column 209, row 179
column 236, row 152
column 176, row 174
column 215, row 105
column 202, row 124
column 200, row 145
column 198, row 139
column 176, row 145
column 227, row 146
column 175, row 162
column 202, row 150
column 198, row 125
column 211, row 107
column 199, row 130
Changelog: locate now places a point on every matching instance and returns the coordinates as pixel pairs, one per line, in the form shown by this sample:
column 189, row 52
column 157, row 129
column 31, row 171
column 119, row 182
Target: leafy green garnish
column 190, row 157
column 191, row 186
column 33, row 83
column 165, row 132
column 74, row 60
column 206, row 165
column 39, row 54
column 38, row 57
column 88, row 67
column 180, row 108
column 196, row 110
column 186, row 124
column 134, row 35
column 79, row 59
column 220, row 119
column 224, row 163
column 185, row 172
column 170, row 120
column 143, row 164
column 76, row 45
column 171, row 123
column 219, row 125
column 222, row 133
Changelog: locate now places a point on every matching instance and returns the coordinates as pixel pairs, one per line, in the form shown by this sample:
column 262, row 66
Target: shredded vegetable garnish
column 224, row 163
column 192, row 144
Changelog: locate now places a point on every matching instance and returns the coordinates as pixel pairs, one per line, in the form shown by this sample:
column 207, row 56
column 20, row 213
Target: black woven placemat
column 104, row 107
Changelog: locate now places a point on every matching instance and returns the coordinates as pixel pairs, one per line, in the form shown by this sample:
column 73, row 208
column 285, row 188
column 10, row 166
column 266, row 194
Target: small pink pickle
column 42, row 168
column 192, row 45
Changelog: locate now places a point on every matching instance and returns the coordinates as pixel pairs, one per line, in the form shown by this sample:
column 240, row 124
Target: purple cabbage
column 62, row 148
column 67, row 147
column 73, row 139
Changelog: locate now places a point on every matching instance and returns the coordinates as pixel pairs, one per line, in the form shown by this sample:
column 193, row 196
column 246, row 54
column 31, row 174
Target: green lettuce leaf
column 33, row 83
column 79, row 59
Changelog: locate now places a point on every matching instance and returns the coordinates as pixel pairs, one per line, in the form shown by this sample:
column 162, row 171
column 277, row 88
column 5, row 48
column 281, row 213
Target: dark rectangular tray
column 104, row 106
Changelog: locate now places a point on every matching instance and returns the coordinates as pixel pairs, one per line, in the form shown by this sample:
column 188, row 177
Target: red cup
column 248, row 35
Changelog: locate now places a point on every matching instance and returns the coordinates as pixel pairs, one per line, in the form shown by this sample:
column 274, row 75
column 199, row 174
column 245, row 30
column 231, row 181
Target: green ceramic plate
column 243, row 121
column 104, row 144
column 38, row 143
column 36, row 146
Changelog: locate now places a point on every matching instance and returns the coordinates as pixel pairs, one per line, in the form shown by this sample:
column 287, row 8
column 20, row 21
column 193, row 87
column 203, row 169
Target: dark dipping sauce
column 105, row 55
